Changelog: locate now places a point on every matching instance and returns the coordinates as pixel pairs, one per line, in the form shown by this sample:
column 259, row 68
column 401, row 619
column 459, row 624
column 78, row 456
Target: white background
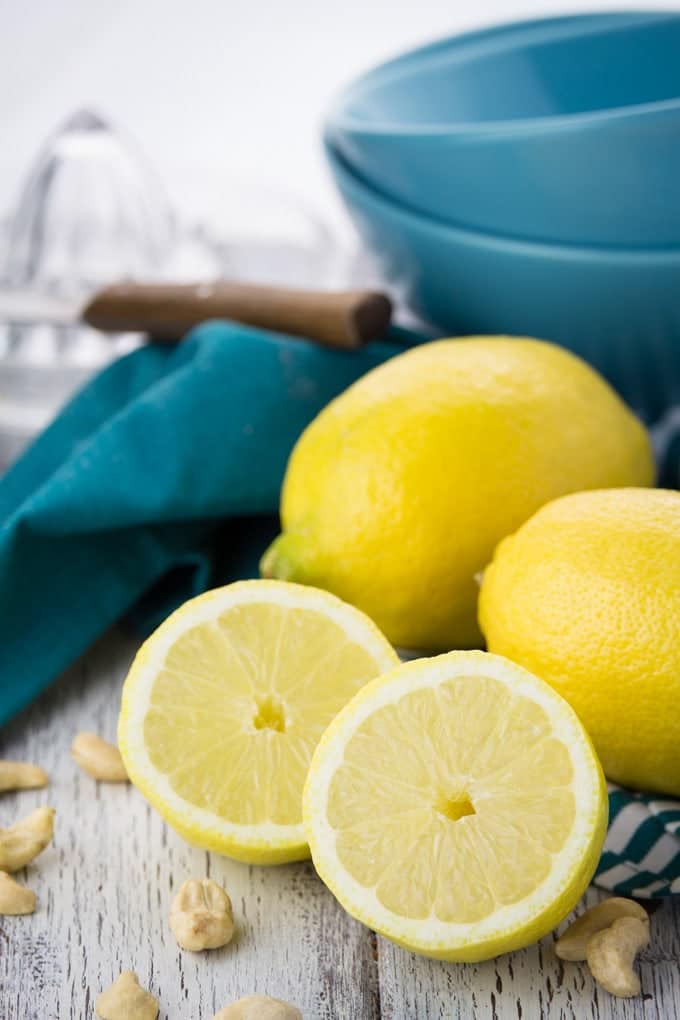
column 210, row 88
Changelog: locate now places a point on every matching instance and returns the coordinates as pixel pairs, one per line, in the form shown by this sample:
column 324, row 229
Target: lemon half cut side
column 456, row 806
column 225, row 703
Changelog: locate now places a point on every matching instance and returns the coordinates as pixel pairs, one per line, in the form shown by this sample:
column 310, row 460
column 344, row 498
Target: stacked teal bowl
column 525, row 179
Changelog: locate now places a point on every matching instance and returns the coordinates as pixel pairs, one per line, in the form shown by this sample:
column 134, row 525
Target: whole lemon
column 587, row 595
column 398, row 492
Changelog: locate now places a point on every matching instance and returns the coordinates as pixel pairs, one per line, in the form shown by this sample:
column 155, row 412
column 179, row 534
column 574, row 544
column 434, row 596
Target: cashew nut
column 259, row 1007
column 24, row 840
column 15, row 898
column 573, row 945
column 98, row 758
column 127, row 1000
column 611, row 954
column 201, row 915
column 21, row 775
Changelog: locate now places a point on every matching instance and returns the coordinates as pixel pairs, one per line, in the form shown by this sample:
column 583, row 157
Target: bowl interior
column 592, row 65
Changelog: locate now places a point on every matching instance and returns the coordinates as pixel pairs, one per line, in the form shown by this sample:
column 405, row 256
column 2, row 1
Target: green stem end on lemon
column 284, row 558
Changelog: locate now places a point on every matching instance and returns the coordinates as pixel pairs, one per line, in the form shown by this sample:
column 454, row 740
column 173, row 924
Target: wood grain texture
column 104, row 892
column 532, row 984
column 105, row 887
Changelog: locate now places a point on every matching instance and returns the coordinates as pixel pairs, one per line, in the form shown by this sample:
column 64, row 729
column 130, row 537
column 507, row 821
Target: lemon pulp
column 457, row 807
column 226, row 702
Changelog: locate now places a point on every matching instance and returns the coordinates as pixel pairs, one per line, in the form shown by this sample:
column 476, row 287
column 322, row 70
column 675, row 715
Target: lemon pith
column 398, row 492
column 456, row 806
column 224, row 704
column 587, row 594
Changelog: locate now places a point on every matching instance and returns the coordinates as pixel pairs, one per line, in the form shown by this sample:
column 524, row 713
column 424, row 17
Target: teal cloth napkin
column 168, row 465
column 162, row 477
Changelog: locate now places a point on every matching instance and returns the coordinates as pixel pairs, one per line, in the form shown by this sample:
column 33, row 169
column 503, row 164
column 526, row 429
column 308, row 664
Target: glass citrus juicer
column 92, row 213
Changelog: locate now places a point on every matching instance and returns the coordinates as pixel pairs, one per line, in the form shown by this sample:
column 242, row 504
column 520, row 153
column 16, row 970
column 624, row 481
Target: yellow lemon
column 587, row 595
column 456, row 806
column 397, row 494
column 225, row 703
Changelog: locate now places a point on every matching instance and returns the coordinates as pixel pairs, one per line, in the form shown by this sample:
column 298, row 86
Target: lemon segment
column 456, row 806
column 226, row 701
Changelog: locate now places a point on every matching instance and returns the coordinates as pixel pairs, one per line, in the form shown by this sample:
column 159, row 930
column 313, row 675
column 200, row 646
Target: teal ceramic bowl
column 566, row 129
column 618, row 308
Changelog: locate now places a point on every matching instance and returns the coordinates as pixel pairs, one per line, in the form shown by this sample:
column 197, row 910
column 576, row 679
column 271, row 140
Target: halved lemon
column 456, row 806
column 226, row 701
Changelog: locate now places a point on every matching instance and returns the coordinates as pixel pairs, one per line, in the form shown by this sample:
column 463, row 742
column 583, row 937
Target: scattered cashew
column 611, row 953
column 24, row 840
column 573, row 945
column 201, row 916
column 127, row 1000
column 259, row 1007
column 15, row 898
column 21, row 775
column 98, row 758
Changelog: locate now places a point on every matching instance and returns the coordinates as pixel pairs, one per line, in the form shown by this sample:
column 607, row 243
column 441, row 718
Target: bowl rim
column 338, row 119
column 664, row 255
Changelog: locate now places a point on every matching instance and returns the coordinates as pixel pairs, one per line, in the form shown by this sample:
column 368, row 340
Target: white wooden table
column 105, row 887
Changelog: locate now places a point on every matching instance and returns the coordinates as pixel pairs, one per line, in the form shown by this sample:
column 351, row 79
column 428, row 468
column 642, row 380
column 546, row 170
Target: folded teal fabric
column 169, row 462
column 162, row 477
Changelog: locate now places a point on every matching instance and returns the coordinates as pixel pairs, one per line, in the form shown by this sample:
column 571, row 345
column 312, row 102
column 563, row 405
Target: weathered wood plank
column 532, row 984
column 105, row 888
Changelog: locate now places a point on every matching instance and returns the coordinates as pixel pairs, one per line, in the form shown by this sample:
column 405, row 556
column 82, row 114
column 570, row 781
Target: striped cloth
column 641, row 856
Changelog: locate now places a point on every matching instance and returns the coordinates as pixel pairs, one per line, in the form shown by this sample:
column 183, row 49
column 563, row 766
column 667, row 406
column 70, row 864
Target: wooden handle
column 345, row 319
